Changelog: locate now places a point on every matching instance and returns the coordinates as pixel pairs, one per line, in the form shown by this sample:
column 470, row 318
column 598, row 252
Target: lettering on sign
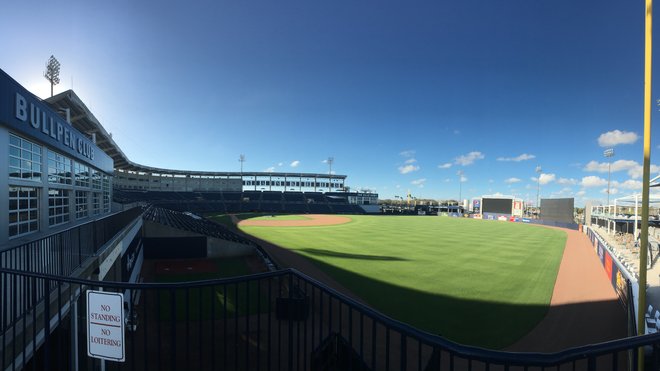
column 51, row 126
column 105, row 325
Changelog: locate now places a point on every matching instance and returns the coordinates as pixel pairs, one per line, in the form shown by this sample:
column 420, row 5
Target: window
column 96, row 179
column 82, row 174
column 81, row 204
column 96, row 203
column 24, row 159
column 106, row 186
column 23, row 210
column 59, row 168
column 58, row 206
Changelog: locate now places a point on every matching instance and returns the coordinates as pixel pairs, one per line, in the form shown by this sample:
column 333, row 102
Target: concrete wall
column 219, row 248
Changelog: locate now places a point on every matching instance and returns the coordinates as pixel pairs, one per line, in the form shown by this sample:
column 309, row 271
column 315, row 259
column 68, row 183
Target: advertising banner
column 608, row 266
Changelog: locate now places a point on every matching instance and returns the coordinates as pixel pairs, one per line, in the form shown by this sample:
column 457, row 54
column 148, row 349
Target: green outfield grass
column 485, row 283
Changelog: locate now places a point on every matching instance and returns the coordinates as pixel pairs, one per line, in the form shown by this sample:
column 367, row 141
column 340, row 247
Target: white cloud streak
column 616, row 137
column 593, row 181
column 633, row 168
column 295, row 163
column 545, row 179
column 419, row 182
column 408, row 168
column 407, row 153
column 469, row 159
column 523, row 157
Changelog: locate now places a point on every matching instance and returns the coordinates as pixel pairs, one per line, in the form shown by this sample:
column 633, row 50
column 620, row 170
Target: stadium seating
column 192, row 223
column 247, row 201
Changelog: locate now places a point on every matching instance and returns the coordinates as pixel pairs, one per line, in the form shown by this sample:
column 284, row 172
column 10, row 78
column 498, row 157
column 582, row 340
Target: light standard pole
column 538, row 191
column 609, row 153
column 460, row 186
column 241, row 159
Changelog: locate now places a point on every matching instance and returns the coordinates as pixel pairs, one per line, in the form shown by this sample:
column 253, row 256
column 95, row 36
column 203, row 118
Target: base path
column 308, row 221
column 584, row 309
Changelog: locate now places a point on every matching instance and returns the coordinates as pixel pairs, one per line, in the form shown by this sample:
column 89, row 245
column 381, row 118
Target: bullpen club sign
column 105, row 325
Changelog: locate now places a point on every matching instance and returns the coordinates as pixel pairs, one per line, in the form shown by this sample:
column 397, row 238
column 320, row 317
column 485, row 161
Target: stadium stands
column 237, row 202
column 192, row 223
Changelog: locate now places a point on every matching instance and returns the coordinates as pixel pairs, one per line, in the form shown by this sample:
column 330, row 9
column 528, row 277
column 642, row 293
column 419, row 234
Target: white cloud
column 564, row 192
column 633, row 168
column 604, row 167
column 463, row 179
column 615, row 137
column 523, row 157
column 456, row 131
column 410, row 161
column 407, row 153
column 638, row 171
column 445, row 165
column 567, row 181
column 408, row 168
column 469, row 159
column 613, row 191
column 270, row 169
column 593, row 181
column 419, row 182
column 630, row 184
column 295, row 163
column 545, row 179
column 512, row 180
column 581, row 193
column 280, row 164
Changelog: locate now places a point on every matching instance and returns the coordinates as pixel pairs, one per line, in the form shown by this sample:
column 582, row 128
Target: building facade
column 54, row 176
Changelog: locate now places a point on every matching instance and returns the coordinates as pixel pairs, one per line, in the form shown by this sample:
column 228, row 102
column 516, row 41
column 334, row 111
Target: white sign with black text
column 105, row 325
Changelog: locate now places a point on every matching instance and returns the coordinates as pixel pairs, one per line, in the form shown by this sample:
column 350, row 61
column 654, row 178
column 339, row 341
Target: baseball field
column 477, row 282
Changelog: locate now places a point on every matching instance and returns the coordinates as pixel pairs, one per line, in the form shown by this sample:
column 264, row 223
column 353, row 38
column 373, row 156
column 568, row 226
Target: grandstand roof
column 83, row 120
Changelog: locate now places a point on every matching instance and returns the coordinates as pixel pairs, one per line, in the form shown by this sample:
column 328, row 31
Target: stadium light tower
column 241, row 159
column 329, row 161
column 52, row 72
column 609, row 153
column 460, row 186
column 538, row 190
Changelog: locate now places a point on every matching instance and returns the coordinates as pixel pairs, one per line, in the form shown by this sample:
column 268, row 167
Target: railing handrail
column 475, row 353
column 62, row 231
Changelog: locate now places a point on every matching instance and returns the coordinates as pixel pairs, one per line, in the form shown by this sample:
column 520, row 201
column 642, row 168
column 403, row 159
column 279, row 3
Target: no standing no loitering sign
column 105, row 325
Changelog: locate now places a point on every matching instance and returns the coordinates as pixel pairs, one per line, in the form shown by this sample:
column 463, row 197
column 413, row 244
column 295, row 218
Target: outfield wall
column 615, row 270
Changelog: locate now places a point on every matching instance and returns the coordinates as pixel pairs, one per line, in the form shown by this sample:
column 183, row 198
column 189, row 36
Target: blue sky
column 404, row 95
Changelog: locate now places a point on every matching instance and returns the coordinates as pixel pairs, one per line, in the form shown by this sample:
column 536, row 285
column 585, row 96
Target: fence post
column 46, row 324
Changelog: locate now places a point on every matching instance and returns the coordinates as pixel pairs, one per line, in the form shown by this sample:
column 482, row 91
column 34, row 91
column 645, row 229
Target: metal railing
column 279, row 320
column 63, row 252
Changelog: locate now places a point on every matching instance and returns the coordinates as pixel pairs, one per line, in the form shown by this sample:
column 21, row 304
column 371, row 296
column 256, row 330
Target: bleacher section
column 192, row 223
column 240, row 202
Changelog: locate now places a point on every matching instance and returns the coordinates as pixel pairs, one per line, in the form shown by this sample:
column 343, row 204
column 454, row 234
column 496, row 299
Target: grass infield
column 478, row 282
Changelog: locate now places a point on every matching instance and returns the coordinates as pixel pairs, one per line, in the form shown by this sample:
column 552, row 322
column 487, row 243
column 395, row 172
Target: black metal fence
column 280, row 320
column 61, row 253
